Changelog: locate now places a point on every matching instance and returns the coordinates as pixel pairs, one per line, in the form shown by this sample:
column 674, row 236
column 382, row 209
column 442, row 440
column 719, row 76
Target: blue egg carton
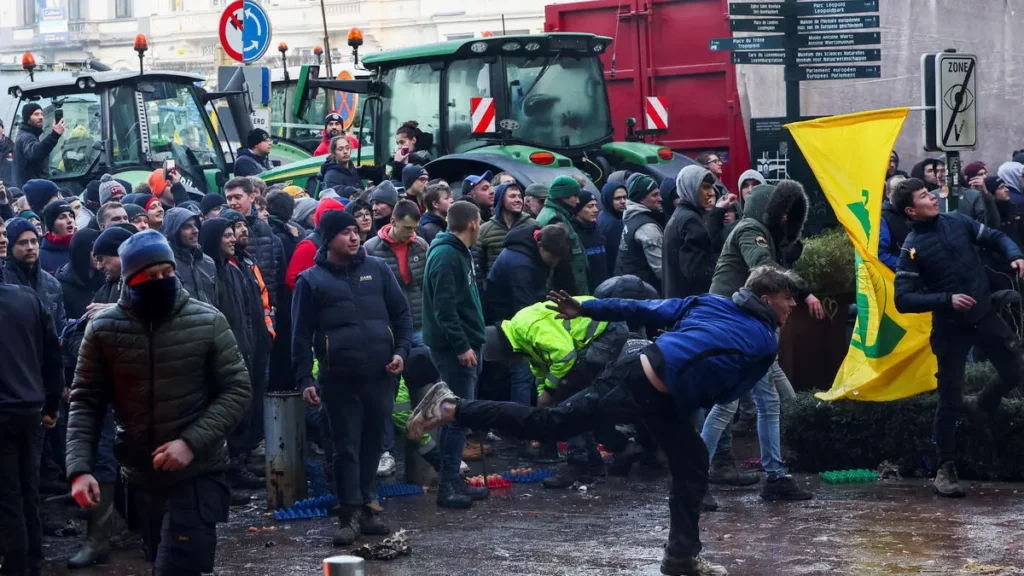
column 395, row 489
column 535, row 476
column 287, row 514
column 328, row 501
column 316, row 478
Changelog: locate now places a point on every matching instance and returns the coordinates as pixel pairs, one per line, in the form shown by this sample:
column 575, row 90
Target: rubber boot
column 348, row 528
column 370, row 523
column 449, row 496
column 96, row 548
column 725, row 471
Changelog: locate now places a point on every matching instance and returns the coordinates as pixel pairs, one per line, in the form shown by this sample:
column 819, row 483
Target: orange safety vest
column 268, row 312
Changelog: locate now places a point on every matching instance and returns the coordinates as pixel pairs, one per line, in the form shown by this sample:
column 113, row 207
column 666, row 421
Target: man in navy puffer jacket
column 350, row 307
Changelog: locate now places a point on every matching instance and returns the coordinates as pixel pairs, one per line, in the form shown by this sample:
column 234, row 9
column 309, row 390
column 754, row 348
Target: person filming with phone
column 32, row 154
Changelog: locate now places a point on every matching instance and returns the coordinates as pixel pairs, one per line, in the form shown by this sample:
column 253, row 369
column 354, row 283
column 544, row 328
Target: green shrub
column 843, row 435
column 828, row 264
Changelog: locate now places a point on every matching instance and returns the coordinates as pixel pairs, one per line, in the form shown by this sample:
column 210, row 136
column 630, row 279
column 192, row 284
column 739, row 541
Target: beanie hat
column 29, row 110
column 294, row 191
column 109, row 187
column 640, row 186
column 326, row 205
column 92, row 192
column 585, row 198
column 192, row 206
column 158, row 183
column 972, row 169
column 134, row 211
column 211, row 201
column 255, row 137
column 537, row 190
column 992, row 183
column 333, row 117
column 385, row 192
column 303, row 208
column 28, row 214
column 136, row 198
column 411, row 173
column 17, row 226
column 38, row 193
column 109, row 241
column 53, row 210
column 333, row 222
column 563, row 187
column 232, row 216
column 143, row 250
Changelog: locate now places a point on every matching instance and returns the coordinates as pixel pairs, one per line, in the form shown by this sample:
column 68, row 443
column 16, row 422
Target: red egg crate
column 493, row 481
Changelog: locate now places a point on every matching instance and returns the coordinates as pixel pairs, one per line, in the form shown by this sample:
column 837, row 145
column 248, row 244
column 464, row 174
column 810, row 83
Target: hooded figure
column 752, row 176
column 610, row 220
column 919, row 169
column 79, row 279
column 773, row 219
column 32, row 275
column 237, row 298
column 598, row 265
column 640, row 248
column 1011, row 173
column 197, row 271
column 693, row 236
column 518, row 277
column 558, row 210
column 32, row 155
column 669, row 196
column 493, row 232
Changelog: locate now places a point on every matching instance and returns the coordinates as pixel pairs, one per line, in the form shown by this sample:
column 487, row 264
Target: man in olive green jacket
column 508, row 215
column 563, row 195
column 171, row 368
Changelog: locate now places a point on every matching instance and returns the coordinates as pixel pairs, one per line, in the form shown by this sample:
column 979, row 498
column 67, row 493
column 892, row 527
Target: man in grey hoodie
column 197, row 271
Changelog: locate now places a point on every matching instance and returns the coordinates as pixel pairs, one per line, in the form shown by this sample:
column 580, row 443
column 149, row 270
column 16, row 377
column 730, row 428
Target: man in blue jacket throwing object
column 715, row 352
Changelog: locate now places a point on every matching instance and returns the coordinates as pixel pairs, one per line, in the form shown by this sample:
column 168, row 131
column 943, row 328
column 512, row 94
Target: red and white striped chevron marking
column 657, row 113
column 482, row 111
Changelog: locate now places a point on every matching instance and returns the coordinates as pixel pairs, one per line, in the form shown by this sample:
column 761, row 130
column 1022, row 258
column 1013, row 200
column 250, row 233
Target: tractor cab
column 128, row 124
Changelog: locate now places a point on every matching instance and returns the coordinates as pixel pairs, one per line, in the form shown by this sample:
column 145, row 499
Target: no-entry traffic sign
column 244, row 31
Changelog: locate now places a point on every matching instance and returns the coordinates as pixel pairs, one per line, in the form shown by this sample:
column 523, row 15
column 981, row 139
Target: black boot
column 449, row 496
column 240, row 478
column 947, row 482
column 725, row 471
column 348, row 528
column 783, row 488
column 475, row 493
column 690, row 566
column 708, row 503
column 96, row 548
column 370, row 523
column 568, row 475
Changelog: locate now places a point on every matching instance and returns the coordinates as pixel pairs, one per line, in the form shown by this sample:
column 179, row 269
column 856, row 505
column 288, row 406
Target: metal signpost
column 949, row 94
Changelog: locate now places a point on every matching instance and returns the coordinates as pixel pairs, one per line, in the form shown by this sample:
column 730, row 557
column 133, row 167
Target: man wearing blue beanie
column 39, row 193
column 179, row 387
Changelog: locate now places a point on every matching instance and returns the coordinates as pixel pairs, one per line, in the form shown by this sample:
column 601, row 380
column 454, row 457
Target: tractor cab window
column 558, row 100
column 176, row 129
column 467, row 79
column 76, row 150
column 305, row 131
column 411, row 93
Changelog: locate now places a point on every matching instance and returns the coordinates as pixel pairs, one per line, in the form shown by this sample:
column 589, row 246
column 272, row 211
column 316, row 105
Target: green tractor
column 550, row 102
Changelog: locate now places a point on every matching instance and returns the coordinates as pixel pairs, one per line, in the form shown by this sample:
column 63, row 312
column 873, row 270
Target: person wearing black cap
column 39, row 193
column 22, row 267
column 334, row 126
column 175, row 402
column 640, row 249
column 594, row 242
column 352, row 308
column 79, row 279
column 414, row 180
column 211, row 205
column 254, row 159
column 137, row 216
column 59, row 224
column 32, row 155
column 105, row 252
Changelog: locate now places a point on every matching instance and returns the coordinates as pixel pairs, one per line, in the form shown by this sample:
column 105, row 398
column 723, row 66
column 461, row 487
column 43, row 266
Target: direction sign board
column 831, row 7
column 766, row 57
column 956, row 106
column 837, row 23
column 838, row 56
column 760, row 25
column 755, row 9
column 835, row 72
column 748, row 43
column 839, row 39
column 244, row 31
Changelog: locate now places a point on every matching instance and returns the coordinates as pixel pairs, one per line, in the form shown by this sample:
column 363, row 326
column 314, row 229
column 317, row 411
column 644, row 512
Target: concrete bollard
column 284, row 420
column 344, row 566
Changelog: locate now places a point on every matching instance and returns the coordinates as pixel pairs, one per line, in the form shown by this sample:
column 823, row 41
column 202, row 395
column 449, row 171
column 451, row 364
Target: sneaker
column 947, row 483
column 475, row 493
column 708, row 503
column 463, row 468
column 386, row 466
column 370, row 523
column 568, row 475
column 261, row 449
column 449, row 496
column 725, row 471
column 348, row 529
column 783, row 488
column 427, row 413
column 690, row 566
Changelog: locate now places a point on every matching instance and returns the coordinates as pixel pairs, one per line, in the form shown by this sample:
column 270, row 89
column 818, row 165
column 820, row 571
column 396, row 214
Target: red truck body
column 661, row 49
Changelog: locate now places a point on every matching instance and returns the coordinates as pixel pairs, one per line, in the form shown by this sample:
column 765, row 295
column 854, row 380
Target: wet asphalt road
column 617, row 527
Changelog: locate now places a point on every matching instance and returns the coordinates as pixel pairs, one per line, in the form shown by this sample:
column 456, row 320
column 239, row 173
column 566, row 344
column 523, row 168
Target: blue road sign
column 255, row 32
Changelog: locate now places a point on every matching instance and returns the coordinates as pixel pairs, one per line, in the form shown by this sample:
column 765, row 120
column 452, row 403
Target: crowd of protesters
column 147, row 324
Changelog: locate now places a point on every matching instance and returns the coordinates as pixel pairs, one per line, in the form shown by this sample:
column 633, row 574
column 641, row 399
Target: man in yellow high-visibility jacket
column 565, row 356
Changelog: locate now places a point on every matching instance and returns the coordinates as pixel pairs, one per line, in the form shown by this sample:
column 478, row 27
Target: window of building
column 28, row 12
column 124, row 8
column 75, row 10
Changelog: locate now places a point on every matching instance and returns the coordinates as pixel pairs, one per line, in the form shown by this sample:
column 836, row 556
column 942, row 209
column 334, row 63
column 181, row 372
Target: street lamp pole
column 327, row 41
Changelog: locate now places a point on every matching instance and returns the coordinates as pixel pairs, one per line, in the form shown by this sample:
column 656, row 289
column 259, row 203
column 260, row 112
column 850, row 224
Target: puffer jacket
column 32, row 155
column 518, row 278
column 380, row 246
column 45, row 285
column 268, row 251
column 353, row 318
column 180, row 379
column 938, row 260
column 53, row 256
column 334, row 175
column 555, row 212
column 249, row 164
column 197, row 271
column 493, row 232
column 693, row 239
column 760, row 238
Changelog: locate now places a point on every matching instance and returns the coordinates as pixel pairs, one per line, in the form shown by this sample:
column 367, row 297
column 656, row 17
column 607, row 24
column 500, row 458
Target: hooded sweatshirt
column 1011, row 173
column 453, row 319
column 693, row 238
column 430, row 226
column 669, row 194
column 518, row 277
column 761, row 238
column 237, row 298
column 79, row 280
column 493, row 232
column 610, row 220
column 197, row 271
column 748, row 175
